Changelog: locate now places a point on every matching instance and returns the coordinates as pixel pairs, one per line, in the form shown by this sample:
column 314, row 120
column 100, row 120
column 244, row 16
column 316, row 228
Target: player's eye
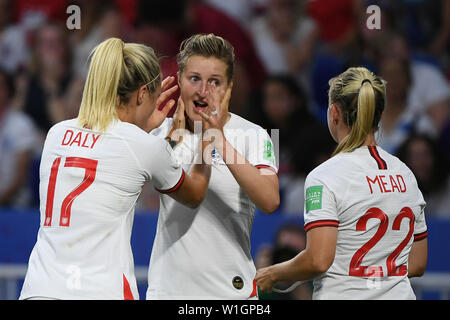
column 194, row 78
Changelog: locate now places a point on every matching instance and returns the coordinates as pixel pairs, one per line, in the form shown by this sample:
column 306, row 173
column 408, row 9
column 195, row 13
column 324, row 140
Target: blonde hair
column 207, row 45
column 360, row 95
column 116, row 70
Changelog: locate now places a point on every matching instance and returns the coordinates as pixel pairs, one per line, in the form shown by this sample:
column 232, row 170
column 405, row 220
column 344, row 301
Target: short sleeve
column 320, row 207
column 261, row 151
column 420, row 226
column 167, row 174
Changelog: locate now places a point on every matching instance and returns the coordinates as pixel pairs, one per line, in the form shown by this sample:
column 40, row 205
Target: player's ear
column 140, row 94
column 336, row 113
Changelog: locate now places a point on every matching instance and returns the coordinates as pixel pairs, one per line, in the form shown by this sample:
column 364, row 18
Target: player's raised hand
column 162, row 107
column 217, row 113
column 179, row 123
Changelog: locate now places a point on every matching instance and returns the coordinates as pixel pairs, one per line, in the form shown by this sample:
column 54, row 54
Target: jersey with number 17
column 89, row 184
column 374, row 201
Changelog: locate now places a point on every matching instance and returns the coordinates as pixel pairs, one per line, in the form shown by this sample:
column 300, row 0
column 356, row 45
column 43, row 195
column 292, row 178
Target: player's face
column 199, row 73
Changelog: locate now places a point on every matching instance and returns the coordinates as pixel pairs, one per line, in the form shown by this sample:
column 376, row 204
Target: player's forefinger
column 179, row 112
column 167, row 82
column 166, row 93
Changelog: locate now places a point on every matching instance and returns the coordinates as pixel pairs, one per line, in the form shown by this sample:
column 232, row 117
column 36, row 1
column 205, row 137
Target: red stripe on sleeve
column 260, row 166
column 420, row 236
column 175, row 187
column 321, row 223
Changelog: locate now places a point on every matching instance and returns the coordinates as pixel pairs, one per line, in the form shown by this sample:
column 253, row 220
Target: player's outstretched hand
column 161, row 111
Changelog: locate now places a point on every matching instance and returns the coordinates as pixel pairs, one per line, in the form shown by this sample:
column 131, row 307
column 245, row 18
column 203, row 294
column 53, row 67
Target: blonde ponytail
column 101, row 85
column 116, row 70
column 360, row 95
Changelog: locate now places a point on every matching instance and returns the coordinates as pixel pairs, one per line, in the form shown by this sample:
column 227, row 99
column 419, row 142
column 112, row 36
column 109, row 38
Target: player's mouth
column 200, row 106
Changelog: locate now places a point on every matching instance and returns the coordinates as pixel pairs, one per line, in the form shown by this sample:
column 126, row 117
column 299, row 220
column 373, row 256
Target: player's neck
column 370, row 140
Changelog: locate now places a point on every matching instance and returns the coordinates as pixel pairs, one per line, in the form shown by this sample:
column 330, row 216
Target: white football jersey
column 374, row 201
column 204, row 253
column 89, row 185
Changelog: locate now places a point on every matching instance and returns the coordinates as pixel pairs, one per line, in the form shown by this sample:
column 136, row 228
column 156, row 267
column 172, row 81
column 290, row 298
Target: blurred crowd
column 286, row 51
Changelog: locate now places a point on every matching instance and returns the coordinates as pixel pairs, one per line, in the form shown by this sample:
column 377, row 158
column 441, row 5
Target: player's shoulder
column 393, row 162
column 63, row 125
column 339, row 167
column 238, row 122
column 138, row 139
column 328, row 168
column 239, row 127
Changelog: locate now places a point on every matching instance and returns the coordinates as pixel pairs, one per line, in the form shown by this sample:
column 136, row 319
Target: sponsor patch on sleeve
column 313, row 198
column 268, row 151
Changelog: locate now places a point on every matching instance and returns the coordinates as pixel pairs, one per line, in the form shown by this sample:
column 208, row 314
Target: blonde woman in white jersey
column 204, row 253
column 364, row 214
column 92, row 172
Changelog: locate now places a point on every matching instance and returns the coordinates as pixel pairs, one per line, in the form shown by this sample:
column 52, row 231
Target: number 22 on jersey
column 356, row 269
column 90, row 167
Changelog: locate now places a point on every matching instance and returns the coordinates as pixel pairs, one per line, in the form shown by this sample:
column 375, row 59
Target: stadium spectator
column 430, row 165
column 398, row 120
column 285, row 38
column 428, row 94
column 419, row 95
column 302, row 141
column 17, row 142
column 337, row 22
column 14, row 51
column 50, row 75
column 425, row 25
column 289, row 240
column 101, row 20
column 282, row 105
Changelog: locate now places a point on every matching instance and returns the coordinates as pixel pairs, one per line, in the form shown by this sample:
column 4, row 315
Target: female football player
column 204, row 253
column 92, row 172
column 364, row 214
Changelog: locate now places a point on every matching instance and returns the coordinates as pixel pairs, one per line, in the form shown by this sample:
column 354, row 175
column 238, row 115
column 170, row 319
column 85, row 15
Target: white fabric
column 91, row 257
column 197, row 252
column 347, row 195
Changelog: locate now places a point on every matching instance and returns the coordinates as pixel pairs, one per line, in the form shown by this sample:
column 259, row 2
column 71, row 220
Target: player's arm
column 316, row 259
column 261, row 185
column 417, row 260
column 193, row 188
